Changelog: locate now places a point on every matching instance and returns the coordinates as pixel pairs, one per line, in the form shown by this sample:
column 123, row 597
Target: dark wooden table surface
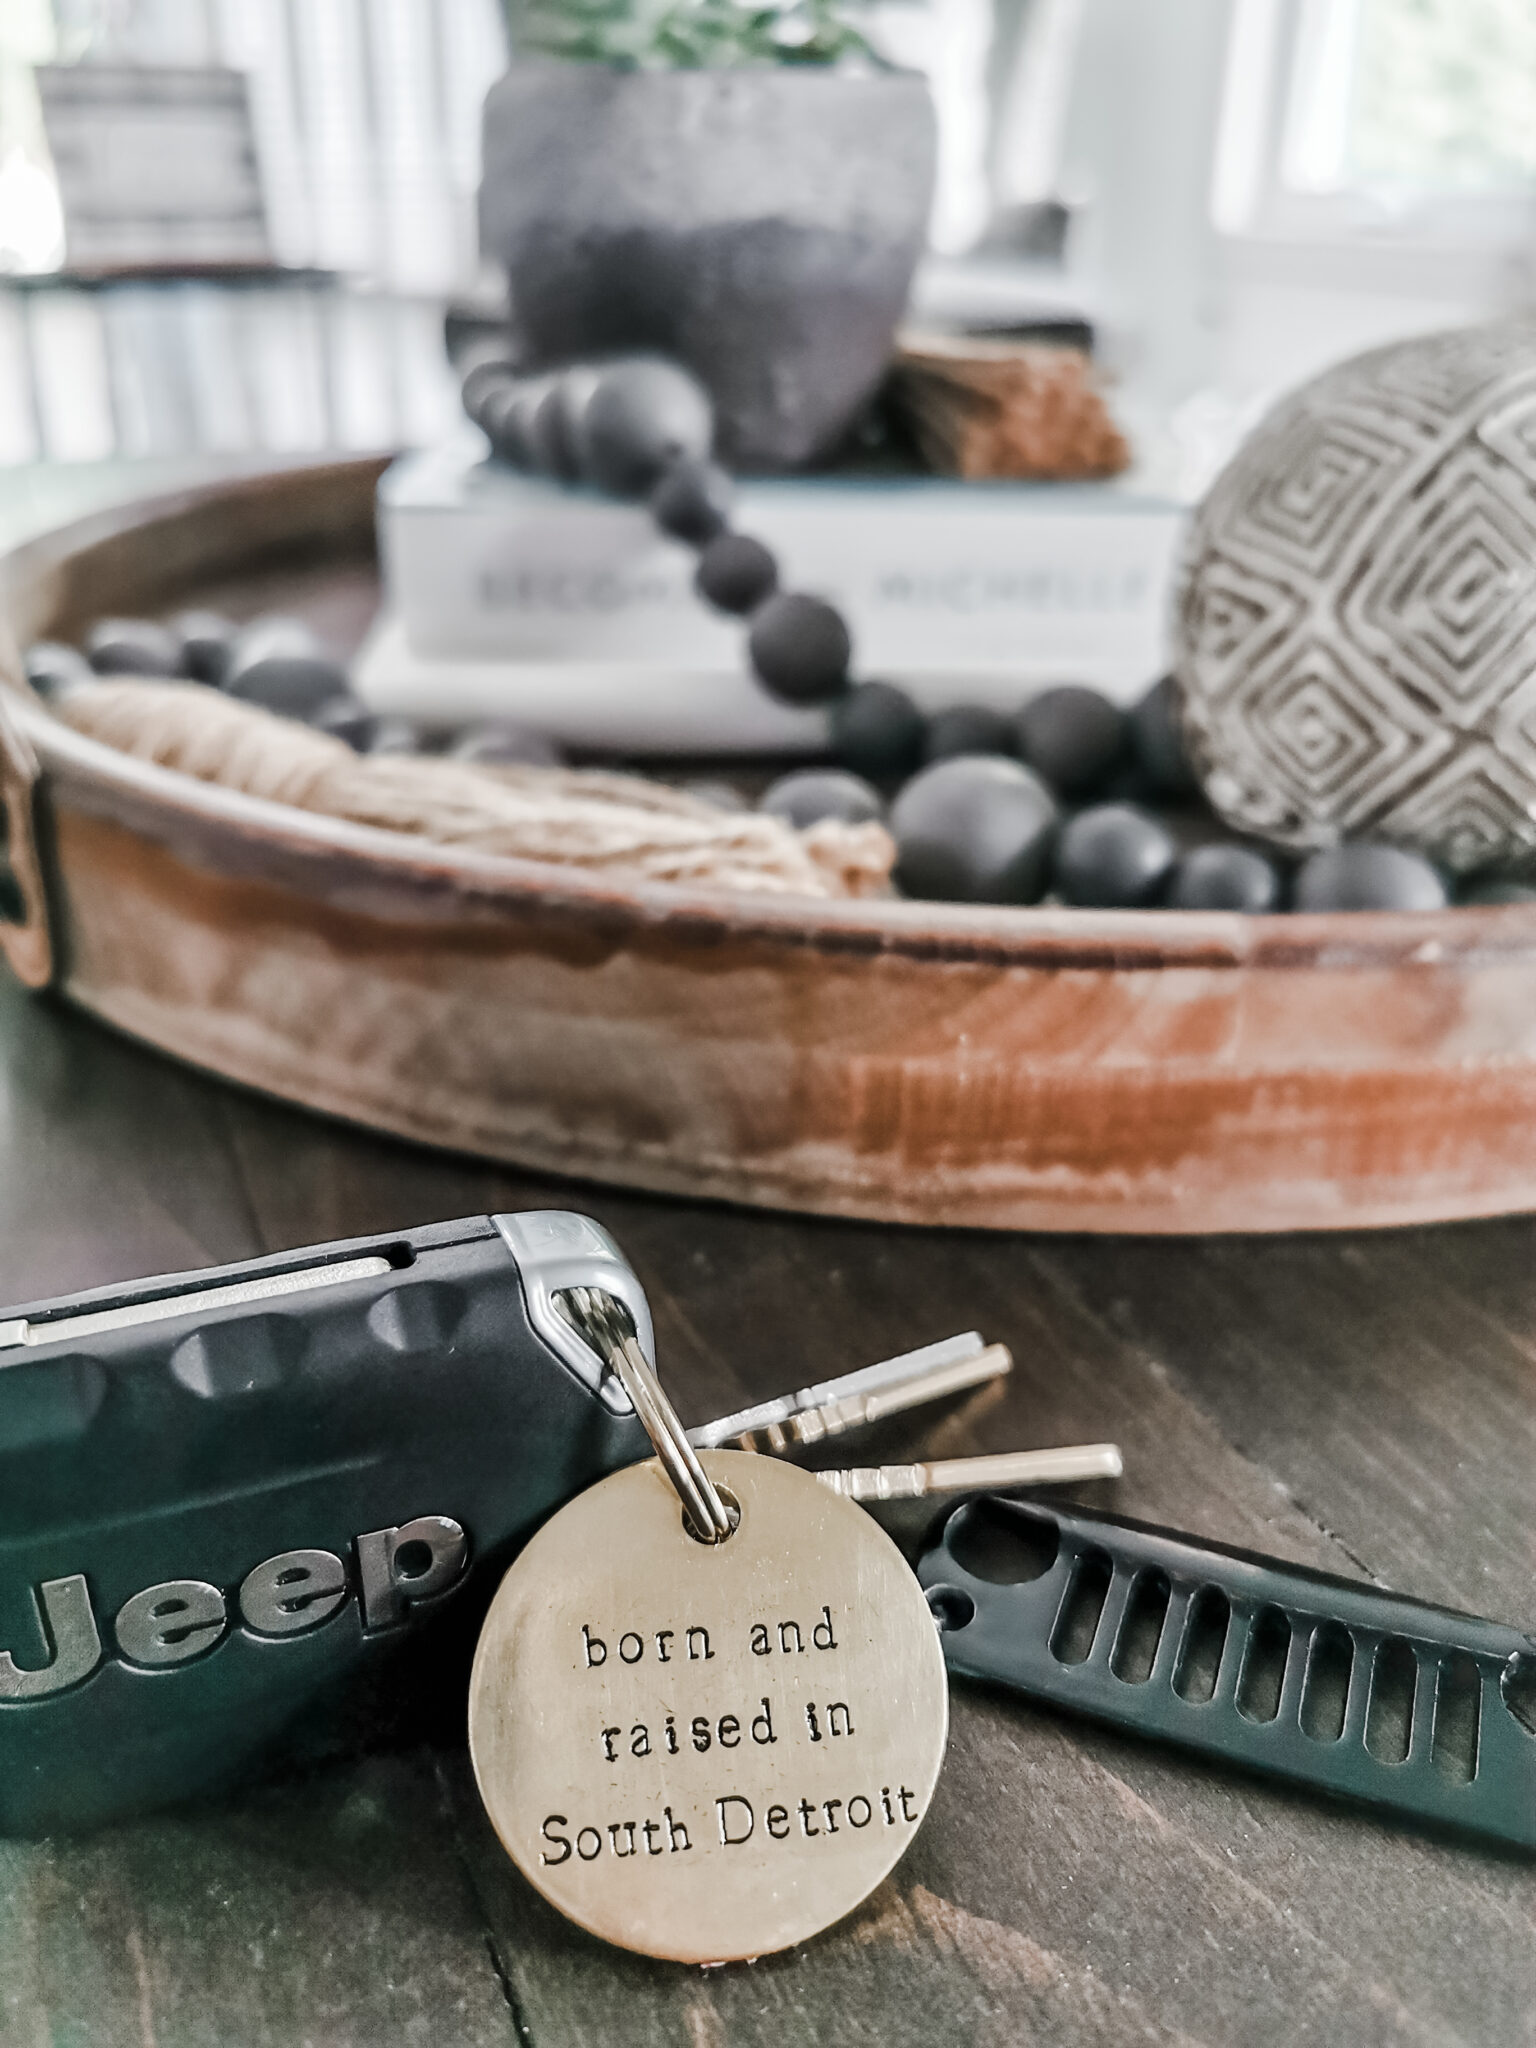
column 1359, row 1402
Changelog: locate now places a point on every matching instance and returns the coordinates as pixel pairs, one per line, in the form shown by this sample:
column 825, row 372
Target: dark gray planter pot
column 760, row 226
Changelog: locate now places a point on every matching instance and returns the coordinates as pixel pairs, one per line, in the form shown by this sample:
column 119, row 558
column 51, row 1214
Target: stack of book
column 512, row 597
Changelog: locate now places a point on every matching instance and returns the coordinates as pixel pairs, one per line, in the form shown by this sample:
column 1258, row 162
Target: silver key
column 921, row 1375
column 977, row 1475
column 859, row 1398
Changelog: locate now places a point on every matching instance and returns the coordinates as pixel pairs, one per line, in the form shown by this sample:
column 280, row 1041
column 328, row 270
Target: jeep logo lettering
column 287, row 1595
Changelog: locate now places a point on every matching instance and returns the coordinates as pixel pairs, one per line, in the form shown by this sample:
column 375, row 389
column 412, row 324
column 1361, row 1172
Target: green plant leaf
column 691, row 34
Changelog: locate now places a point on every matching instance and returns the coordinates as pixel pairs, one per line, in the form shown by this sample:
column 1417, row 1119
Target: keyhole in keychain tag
column 709, row 1703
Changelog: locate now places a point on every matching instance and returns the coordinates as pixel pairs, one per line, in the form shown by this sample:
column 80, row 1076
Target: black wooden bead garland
column 973, row 821
column 735, row 573
column 976, row 816
column 641, row 427
column 980, row 821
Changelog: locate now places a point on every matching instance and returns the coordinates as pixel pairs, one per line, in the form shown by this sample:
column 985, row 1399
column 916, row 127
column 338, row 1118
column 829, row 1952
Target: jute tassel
column 618, row 824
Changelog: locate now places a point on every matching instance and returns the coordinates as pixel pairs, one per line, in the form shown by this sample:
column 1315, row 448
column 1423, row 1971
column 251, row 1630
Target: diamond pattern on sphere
column 1473, row 814
column 1233, row 617
column 1443, row 375
column 1427, row 384
column 1510, row 433
column 1453, row 609
column 1514, row 731
column 1315, row 728
column 1325, row 484
column 1357, row 617
column 1460, row 594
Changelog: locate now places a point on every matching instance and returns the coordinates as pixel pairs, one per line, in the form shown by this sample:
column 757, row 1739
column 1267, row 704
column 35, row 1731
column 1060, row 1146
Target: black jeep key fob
column 229, row 1498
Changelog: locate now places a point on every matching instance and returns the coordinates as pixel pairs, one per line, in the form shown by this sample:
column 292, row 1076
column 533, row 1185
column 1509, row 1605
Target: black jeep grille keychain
column 1295, row 1673
column 229, row 1498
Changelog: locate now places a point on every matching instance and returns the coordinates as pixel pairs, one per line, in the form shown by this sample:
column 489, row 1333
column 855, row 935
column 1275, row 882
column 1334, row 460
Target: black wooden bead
column 365, row 731
column 395, row 736
column 811, row 794
column 1222, row 876
column 485, row 381
column 346, row 717
column 273, row 633
column 503, row 745
column 877, row 731
column 1367, row 876
column 643, row 415
column 133, row 647
column 693, row 501
column 54, row 669
column 506, row 419
column 974, row 829
column 799, row 647
column 575, row 388
column 1159, row 745
column 1113, row 857
column 1074, row 737
column 207, row 645
column 736, row 573
column 720, row 796
column 293, row 685
column 967, row 729
column 548, row 422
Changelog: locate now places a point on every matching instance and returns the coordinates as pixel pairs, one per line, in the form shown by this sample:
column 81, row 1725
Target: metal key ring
column 606, row 1321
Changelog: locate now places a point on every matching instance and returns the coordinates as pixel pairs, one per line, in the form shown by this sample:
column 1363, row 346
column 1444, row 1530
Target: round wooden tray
column 913, row 1062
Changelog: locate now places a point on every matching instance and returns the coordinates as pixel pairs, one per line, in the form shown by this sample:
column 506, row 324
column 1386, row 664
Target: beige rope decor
column 603, row 823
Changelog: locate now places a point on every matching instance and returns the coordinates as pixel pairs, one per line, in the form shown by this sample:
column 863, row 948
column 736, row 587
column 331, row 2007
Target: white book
column 511, row 596
column 601, row 707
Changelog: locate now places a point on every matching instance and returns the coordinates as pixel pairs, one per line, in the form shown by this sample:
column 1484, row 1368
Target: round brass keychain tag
column 708, row 1752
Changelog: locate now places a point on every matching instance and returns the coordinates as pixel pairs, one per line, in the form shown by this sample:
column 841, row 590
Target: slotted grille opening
column 1003, row 1545
column 1458, row 1698
column 1389, row 1713
column 1146, row 1615
column 1205, row 1637
column 1258, row 1690
column 1082, row 1609
column 1325, row 1697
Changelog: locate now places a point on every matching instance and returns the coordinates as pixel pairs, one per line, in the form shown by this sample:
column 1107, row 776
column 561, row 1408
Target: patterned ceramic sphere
column 1356, row 623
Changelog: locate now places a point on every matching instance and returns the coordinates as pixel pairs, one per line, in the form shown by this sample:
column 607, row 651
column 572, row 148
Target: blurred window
column 367, row 123
column 366, row 113
column 1414, row 118
column 1001, row 76
column 1417, row 95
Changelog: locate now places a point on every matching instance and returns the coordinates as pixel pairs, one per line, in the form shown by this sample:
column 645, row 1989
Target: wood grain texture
column 1367, row 1403
column 917, row 1063
column 333, row 1911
